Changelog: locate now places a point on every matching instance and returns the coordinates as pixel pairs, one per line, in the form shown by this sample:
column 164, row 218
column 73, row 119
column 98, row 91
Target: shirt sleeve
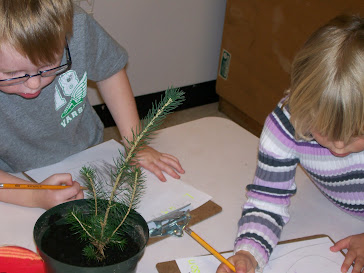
column 268, row 197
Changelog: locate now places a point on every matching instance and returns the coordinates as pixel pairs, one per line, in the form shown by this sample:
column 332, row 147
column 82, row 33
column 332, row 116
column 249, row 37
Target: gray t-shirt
column 60, row 121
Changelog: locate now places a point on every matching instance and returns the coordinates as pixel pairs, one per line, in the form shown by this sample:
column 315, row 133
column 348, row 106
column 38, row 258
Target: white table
column 219, row 157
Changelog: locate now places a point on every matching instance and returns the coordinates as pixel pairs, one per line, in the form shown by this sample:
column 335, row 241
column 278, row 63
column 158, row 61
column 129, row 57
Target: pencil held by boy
column 49, row 49
column 319, row 124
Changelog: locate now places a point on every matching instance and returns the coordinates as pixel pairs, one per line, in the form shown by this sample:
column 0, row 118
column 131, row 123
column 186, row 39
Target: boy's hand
column 157, row 162
column 50, row 198
column 243, row 261
column 355, row 246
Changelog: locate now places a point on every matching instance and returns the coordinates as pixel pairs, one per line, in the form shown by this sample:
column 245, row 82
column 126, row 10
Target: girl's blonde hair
column 327, row 82
column 37, row 29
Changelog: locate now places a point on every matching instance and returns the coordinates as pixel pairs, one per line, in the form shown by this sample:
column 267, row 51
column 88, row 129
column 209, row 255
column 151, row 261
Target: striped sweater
column 340, row 179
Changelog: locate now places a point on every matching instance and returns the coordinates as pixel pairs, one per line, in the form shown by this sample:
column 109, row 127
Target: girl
column 319, row 125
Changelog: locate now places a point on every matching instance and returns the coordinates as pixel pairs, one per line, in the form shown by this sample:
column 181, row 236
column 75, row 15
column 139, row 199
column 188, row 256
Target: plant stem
column 129, row 208
column 128, row 158
column 93, row 190
column 78, row 220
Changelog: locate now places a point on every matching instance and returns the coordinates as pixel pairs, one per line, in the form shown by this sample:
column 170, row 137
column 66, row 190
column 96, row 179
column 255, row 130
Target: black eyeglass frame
column 40, row 73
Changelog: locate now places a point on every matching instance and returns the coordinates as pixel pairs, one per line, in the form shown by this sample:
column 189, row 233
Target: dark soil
column 61, row 244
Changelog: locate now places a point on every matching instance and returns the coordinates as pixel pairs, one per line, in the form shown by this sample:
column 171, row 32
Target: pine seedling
column 111, row 211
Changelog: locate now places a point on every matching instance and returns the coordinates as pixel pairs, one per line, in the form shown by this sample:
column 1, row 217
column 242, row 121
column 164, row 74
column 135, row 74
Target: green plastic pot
column 55, row 216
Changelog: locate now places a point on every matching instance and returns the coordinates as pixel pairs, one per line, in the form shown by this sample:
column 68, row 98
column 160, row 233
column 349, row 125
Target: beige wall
column 169, row 42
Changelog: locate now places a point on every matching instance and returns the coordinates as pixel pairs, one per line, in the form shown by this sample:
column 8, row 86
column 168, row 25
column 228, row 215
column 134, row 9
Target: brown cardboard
column 262, row 37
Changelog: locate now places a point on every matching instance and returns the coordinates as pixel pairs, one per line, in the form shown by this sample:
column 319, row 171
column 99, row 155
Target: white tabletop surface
column 219, row 158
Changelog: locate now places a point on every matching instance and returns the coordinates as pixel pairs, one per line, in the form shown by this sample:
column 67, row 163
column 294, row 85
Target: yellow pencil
column 35, row 187
column 209, row 248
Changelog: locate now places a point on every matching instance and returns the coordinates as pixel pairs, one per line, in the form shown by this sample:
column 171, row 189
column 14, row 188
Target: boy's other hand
column 158, row 163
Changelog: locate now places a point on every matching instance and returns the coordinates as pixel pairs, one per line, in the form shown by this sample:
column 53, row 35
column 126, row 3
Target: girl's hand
column 157, row 162
column 49, row 198
column 243, row 261
column 355, row 246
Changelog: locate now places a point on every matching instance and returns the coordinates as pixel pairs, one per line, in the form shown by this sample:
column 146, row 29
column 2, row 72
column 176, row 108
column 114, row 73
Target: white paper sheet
column 298, row 257
column 200, row 264
column 159, row 197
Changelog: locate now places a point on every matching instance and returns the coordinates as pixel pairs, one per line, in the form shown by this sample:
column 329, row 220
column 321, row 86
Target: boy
column 48, row 51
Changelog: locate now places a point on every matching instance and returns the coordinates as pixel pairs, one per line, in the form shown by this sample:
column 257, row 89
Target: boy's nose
column 34, row 82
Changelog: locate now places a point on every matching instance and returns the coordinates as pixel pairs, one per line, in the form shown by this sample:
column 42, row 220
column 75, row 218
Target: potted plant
column 104, row 233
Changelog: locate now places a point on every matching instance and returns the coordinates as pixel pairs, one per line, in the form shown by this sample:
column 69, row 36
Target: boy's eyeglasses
column 45, row 73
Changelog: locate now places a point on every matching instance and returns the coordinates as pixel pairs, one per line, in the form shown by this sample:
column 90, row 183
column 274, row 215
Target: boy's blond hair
column 37, row 29
column 327, row 82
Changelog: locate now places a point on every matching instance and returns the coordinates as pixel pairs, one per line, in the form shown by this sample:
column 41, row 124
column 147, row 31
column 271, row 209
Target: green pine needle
column 108, row 222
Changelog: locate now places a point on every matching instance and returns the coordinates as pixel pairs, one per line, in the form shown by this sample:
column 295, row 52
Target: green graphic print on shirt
column 73, row 89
